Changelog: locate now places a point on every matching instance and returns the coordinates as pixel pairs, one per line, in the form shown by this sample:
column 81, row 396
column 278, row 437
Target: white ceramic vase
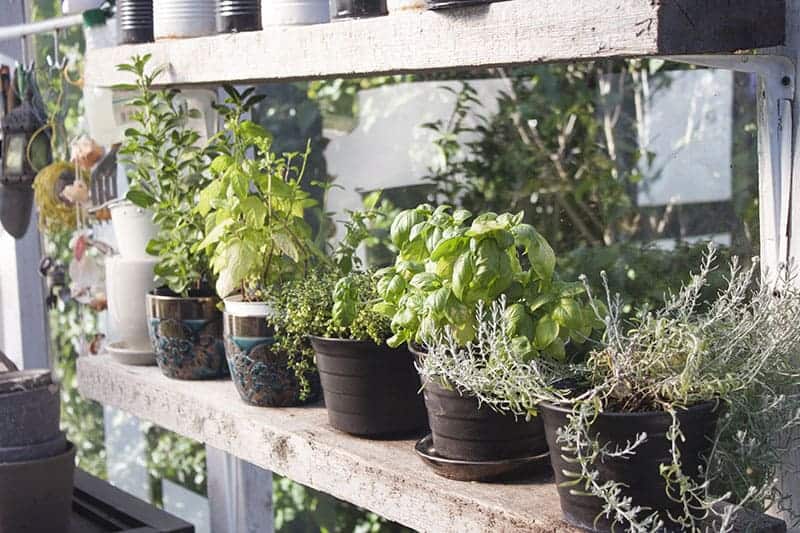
column 178, row 19
column 127, row 283
column 133, row 229
column 294, row 12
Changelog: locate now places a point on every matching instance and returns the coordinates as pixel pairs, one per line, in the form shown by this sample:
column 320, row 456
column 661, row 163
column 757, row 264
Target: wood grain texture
column 505, row 33
column 383, row 476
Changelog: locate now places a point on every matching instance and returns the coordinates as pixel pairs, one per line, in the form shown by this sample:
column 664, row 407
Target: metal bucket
column 135, row 21
column 238, row 15
column 177, row 19
column 295, row 12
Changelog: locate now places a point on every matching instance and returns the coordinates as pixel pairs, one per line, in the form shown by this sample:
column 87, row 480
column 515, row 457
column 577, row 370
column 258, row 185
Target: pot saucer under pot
column 486, row 471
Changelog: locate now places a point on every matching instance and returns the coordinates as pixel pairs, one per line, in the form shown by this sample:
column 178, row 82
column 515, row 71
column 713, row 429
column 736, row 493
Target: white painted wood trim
column 505, row 33
column 239, row 494
column 385, row 477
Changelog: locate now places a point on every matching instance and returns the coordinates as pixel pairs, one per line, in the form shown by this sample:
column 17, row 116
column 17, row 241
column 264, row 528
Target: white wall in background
column 689, row 126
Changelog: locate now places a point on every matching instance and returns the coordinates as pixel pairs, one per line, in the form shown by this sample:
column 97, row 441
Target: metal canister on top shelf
column 235, row 16
column 349, row 9
column 135, row 21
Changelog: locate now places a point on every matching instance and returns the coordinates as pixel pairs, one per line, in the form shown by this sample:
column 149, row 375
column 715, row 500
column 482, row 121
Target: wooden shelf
column 506, row 33
column 385, row 477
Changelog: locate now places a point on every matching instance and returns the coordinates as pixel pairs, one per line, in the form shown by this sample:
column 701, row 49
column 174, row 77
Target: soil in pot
column 370, row 390
column 261, row 373
column 639, row 472
column 36, row 496
column 347, row 9
column 463, row 430
column 187, row 335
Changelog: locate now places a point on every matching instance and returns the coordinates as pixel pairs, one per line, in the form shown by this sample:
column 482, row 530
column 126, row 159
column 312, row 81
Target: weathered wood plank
column 383, row 476
column 506, row 33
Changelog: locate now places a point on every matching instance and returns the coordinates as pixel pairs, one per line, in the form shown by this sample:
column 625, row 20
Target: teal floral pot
column 186, row 334
column 260, row 373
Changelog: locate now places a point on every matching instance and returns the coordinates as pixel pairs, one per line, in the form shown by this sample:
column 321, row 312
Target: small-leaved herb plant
column 167, row 171
column 256, row 234
column 740, row 350
column 337, row 301
column 447, row 265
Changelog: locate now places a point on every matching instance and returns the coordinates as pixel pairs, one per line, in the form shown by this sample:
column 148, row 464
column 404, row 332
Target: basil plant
column 447, row 267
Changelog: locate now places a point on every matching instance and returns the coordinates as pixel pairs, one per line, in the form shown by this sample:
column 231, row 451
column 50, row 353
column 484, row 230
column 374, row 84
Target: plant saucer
column 502, row 470
column 127, row 354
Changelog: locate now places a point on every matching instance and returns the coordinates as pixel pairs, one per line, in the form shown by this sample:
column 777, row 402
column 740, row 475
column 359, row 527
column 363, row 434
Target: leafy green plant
column 446, row 266
column 740, row 350
column 256, row 235
column 167, row 170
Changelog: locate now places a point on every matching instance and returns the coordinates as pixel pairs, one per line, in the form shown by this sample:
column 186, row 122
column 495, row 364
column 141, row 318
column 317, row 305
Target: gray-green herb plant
column 740, row 350
column 167, row 171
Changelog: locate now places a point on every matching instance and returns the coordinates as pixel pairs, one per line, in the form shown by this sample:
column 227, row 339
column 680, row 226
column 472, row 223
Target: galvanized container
column 294, row 12
column 235, row 16
column 178, row 19
column 134, row 21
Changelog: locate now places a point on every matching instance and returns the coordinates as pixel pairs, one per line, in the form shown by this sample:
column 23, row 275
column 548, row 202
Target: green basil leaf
column 425, row 281
column 140, row 198
column 463, row 272
column 546, row 332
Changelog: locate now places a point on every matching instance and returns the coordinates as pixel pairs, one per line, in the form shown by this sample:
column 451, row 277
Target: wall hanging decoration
column 26, row 149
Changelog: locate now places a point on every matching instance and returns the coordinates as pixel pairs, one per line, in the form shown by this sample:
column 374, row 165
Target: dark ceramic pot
column 640, row 472
column 462, row 430
column 135, row 21
column 238, row 15
column 370, row 390
column 29, row 417
column 449, row 4
column 36, row 496
column 260, row 373
column 30, row 452
column 187, row 336
column 349, row 9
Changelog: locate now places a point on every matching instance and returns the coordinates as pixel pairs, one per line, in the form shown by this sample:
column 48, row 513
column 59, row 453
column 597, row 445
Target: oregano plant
column 167, row 169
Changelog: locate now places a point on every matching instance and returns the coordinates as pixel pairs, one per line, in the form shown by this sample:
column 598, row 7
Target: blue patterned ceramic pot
column 260, row 373
column 187, row 336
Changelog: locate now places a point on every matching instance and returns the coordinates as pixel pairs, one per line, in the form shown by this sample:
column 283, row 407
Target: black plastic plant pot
column 640, row 472
column 462, row 430
column 370, row 390
column 135, row 21
column 261, row 373
column 29, row 417
column 449, row 4
column 186, row 334
column 36, row 496
column 235, row 16
column 349, row 9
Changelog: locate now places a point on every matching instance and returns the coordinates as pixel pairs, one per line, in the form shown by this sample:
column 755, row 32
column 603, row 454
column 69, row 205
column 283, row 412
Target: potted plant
column 688, row 406
column 258, row 240
column 36, row 460
column 446, row 270
column 180, row 19
column 353, row 9
column 166, row 173
column 370, row 389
